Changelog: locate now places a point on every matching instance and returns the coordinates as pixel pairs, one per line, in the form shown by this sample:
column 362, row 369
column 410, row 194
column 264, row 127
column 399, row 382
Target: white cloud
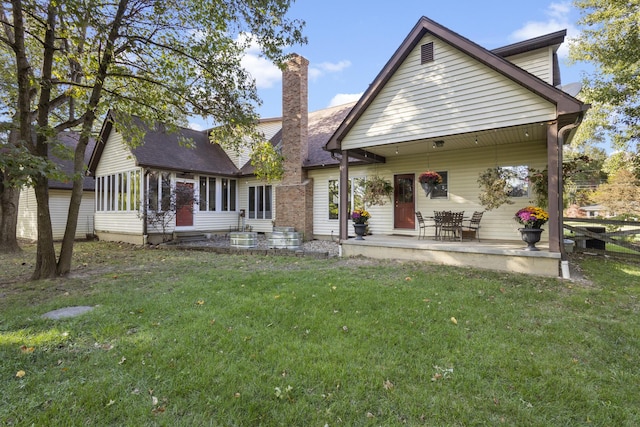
column 558, row 19
column 344, row 98
column 261, row 69
column 196, row 126
column 319, row 70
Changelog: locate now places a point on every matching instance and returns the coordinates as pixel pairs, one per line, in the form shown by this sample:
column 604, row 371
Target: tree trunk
column 45, row 254
column 9, row 198
column 66, row 252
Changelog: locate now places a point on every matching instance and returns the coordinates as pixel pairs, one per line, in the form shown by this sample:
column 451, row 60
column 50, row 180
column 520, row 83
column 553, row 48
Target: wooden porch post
column 555, row 194
column 343, row 211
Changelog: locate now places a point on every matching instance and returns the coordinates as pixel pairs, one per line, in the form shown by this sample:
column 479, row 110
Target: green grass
column 192, row 338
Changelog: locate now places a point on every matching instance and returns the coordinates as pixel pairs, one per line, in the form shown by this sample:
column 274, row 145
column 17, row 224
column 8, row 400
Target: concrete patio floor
column 488, row 254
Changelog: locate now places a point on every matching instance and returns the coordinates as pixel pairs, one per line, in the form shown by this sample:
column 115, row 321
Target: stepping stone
column 63, row 313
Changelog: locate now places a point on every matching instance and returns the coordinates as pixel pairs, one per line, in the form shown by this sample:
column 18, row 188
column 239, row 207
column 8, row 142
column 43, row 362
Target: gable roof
column 566, row 105
column 162, row 149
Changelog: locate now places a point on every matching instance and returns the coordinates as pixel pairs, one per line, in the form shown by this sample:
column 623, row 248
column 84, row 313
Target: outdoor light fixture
column 526, row 133
column 476, row 140
column 438, row 144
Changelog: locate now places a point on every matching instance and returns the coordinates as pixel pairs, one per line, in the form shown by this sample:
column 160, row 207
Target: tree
column 160, row 60
column 610, row 40
column 621, row 195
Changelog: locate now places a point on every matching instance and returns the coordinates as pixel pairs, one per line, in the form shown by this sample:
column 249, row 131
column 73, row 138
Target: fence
column 601, row 235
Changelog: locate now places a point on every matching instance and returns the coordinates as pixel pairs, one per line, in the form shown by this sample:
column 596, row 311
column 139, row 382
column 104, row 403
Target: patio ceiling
column 535, row 132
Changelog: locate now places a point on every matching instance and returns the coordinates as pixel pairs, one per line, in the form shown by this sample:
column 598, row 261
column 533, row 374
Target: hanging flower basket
column 428, row 180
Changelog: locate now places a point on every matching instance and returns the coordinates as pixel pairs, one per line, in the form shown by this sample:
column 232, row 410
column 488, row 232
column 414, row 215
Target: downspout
column 144, row 206
column 564, row 262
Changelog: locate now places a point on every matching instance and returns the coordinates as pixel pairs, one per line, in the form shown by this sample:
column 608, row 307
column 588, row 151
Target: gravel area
column 222, row 241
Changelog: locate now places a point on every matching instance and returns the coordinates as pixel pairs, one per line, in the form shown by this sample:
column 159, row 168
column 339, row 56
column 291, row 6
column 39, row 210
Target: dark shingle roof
column 162, row 149
column 70, row 140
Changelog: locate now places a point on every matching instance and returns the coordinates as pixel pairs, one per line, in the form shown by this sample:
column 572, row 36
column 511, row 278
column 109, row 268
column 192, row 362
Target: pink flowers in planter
column 430, row 177
column 531, row 217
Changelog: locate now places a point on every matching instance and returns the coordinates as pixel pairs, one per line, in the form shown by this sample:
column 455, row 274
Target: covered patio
column 487, row 254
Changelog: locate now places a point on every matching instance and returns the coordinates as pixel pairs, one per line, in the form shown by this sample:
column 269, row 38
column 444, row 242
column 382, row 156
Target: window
column 159, row 191
column 355, row 196
column 441, row 191
column 118, row 192
column 517, row 180
column 260, row 200
column 207, row 194
column 228, row 194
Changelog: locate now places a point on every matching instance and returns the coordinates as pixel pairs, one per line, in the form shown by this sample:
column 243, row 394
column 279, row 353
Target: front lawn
column 194, row 338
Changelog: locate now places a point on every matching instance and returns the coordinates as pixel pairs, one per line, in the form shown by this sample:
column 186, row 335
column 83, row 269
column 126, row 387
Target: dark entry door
column 404, row 203
column 184, row 215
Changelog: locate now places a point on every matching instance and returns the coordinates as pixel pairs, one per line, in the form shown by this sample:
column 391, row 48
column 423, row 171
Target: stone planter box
column 243, row 239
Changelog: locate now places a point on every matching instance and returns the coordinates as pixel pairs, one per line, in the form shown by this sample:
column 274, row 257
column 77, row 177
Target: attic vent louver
column 426, row 53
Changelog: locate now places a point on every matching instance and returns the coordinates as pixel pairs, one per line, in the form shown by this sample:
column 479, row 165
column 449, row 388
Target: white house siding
column 451, row 95
column 110, row 225
column 117, row 223
column 27, row 227
column 215, row 221
column 268, row 128
column 116, row 156
column 463, row 167
column 259, row 225
column 538, row 62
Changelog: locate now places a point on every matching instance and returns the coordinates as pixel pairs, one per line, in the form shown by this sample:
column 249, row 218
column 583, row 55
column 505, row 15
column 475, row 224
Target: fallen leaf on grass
column 20, row 374
column 111, row 402
column 408, row 279
column 25, row 349
column 454, row 321
column 200, row 302
column 388, row 385
column 124, row 359
column 154, row 400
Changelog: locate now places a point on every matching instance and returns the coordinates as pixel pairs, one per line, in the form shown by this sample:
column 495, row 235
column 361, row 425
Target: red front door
column 184, row 214
column 404, row 204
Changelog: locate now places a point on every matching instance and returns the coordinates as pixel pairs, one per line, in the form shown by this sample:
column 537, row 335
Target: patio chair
column 473, row 228
column 422, row 226
column 451, row 226
column 437, row 222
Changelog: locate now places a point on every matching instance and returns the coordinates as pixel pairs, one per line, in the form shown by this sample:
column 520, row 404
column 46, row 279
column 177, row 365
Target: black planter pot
column 531, row 236
column 360, row 229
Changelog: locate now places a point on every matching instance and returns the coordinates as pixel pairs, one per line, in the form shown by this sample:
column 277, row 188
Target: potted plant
column 428, row 180
column 360, row 218
column 377, row 190
column 531, row 218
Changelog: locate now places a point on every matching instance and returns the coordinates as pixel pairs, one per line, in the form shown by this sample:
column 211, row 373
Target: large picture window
column 119, row 192
column 159, row 194
column 260, row 202
column 228, row 194
column 207, row 194
column 355, row 196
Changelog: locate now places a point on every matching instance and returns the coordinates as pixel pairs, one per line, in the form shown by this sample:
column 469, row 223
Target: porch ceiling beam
column 366, row 156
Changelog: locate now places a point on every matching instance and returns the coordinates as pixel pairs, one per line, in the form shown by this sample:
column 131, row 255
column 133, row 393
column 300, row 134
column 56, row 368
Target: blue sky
column 349, row 41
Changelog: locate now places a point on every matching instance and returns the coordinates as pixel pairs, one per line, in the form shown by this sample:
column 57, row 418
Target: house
column 59, row 198
column 441, row 103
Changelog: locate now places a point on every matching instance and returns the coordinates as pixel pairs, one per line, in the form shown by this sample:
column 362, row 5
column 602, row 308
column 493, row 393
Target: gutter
column 561, row 133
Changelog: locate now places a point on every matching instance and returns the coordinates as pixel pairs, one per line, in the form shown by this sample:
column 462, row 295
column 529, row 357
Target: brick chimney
column 294, row 196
